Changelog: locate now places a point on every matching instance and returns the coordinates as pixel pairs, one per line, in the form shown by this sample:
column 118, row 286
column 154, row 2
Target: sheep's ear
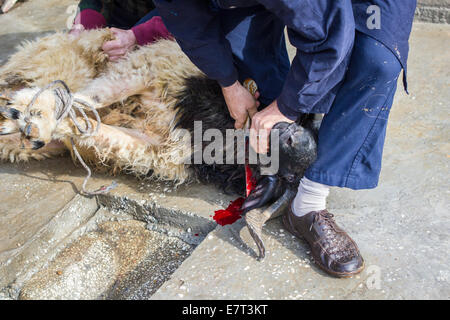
column 8, row 123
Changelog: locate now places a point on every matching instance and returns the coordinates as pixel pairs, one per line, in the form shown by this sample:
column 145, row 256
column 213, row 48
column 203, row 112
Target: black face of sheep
column 297, row 151
column 298, row 148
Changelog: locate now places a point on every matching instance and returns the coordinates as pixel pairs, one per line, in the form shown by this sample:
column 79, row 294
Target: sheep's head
column 297, row 151
column 36, row 123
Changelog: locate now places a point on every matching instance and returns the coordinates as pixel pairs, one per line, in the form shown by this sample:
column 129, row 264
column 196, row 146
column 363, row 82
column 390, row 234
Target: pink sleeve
column 90, row 19
column 150, row 31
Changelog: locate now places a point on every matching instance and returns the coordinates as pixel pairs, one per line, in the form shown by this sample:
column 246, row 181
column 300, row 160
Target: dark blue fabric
column 256, row 37
column 147, row 17
column 196, row 26
column 352, row 133
column 321, row 30
column 396, row 23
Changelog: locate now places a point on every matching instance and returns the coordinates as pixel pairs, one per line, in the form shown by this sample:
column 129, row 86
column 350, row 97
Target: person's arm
column 89, row 17
column 125, row 40
column 197, row 30
column 323, row 32
column 196, row 26
column 150, row 31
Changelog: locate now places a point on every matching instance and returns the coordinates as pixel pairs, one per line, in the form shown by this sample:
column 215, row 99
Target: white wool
column 148, row 78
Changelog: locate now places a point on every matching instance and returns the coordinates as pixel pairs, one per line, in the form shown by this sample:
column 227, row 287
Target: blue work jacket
column 322, row 31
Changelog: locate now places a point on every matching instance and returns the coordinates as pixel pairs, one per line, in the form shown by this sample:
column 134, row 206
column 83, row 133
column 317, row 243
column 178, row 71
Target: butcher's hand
column 240, row 103
column 262, row 123
column 124, row 41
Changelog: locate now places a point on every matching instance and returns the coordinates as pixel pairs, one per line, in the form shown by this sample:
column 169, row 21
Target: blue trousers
column 352, row 134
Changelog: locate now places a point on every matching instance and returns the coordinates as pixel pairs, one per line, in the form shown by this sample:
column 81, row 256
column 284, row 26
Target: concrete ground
column 150, row 240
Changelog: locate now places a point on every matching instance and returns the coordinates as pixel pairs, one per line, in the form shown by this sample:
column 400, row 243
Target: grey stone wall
column 436, row 11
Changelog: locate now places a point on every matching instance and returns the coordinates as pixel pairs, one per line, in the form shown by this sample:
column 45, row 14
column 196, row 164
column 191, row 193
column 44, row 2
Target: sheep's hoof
column 8, row 123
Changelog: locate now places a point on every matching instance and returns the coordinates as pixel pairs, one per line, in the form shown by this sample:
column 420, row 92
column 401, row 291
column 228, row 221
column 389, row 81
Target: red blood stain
column 231, row 214
column 250, row 182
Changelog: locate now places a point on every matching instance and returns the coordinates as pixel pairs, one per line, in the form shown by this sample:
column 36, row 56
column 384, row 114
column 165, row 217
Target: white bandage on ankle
column 311, row 196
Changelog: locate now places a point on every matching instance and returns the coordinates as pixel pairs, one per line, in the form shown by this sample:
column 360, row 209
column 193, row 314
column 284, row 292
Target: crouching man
column 349, row 57
column 132, row 23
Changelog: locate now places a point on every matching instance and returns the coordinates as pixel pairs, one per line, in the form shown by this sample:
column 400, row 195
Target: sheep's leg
column 131, row 150
column 110, row 88
column 10, row 150
column 117, row 147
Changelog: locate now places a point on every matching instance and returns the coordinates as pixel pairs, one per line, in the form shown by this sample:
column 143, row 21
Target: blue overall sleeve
column 323, row 33
column 196, row 26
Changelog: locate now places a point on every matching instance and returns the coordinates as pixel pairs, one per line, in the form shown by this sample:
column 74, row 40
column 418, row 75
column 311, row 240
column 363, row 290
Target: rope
column 68, row 106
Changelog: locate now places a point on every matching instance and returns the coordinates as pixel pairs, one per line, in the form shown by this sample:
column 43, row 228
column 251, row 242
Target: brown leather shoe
column 332, row 248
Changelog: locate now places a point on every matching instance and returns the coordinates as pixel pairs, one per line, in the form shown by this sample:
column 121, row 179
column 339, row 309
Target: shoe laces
column 324, row 218
column 336, row 243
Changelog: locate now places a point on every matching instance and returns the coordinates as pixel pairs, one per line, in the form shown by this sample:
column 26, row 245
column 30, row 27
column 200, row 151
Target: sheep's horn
column 7, row 5
column 255, row 219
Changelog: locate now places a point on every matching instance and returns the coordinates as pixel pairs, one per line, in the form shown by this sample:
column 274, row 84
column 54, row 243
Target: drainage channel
column 126, row 249
column 171, row 236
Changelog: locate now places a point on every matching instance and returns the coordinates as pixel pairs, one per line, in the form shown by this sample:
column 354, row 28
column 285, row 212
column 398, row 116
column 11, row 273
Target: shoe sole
column 288, row 227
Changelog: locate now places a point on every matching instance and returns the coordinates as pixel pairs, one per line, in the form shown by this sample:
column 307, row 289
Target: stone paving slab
column 117, row 260
column 31, row 194
column 436, row 11
column 223, row 267
column 31, row 19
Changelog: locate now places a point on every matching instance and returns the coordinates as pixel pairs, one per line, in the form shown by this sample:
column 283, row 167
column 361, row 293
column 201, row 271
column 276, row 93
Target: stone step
column 117, row 260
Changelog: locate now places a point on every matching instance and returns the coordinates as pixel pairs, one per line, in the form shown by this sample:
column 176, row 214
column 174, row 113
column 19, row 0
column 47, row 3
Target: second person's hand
column 124, row 41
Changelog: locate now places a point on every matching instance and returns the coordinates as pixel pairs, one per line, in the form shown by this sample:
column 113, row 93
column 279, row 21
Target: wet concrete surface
column 402, row 227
